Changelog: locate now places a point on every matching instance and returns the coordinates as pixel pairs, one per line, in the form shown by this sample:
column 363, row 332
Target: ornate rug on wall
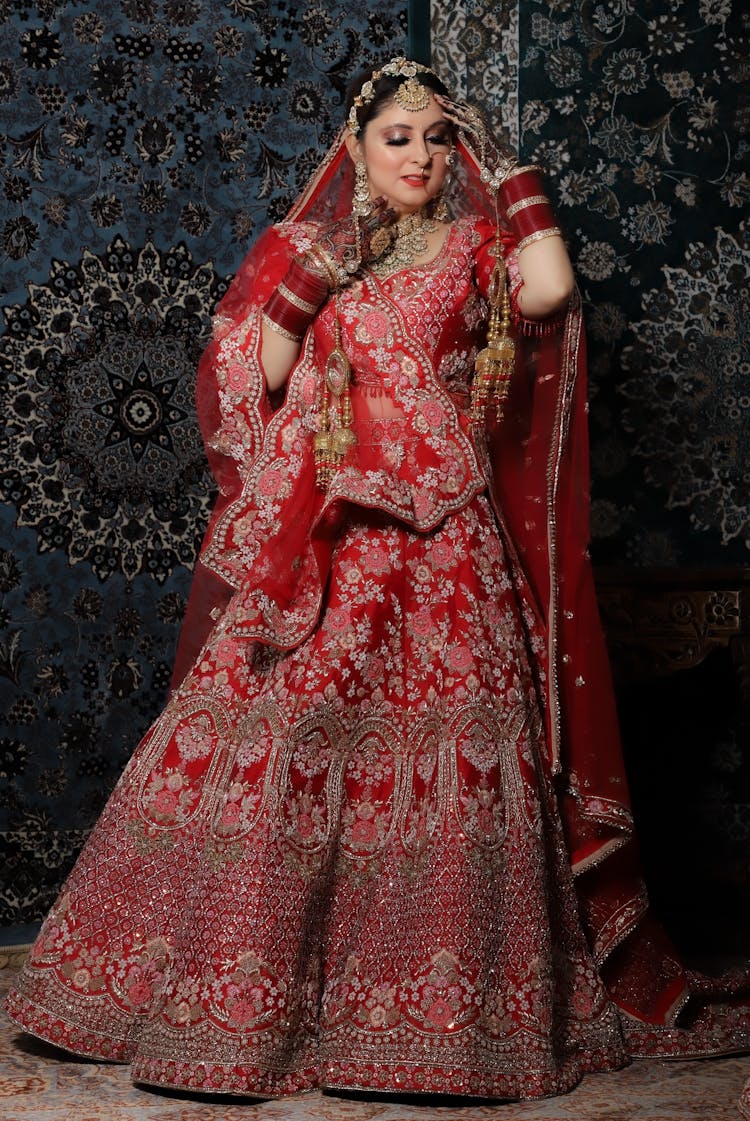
column 145, row 142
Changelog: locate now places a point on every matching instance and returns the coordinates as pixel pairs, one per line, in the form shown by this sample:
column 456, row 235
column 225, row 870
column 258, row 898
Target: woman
column 337, row 859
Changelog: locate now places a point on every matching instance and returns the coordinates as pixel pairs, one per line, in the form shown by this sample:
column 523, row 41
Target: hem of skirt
column 233, row 1080
column 683, row 1053
column 685, row 1043
column 36, row 1021
column 220, row 1091
column 418, row 1078
column 370, row 1077
column 364, row 1076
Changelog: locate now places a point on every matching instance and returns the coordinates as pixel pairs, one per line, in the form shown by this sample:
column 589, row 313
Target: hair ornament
column 412, row 95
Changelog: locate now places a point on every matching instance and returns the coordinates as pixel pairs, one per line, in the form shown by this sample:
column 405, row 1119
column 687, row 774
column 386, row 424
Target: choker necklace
column 411, row 242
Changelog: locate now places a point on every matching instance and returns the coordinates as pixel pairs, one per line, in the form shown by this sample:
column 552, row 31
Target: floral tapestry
column 640, row 114
column 144, row 144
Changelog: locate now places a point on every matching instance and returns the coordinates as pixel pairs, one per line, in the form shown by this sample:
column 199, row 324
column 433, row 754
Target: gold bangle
column 532, row 200
column 292, row 298
column 279, row 330
column 334, row 276
column 551, row 232
column 520, row 170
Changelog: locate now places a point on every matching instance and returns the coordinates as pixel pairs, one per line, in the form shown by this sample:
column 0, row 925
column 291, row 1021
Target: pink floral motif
column 309, row 392
column 230, row 815
column 442, row 554
column 375, row 670
column 225, row 651
column 270, row 481
column 422, row 505
column 422, row 622
column 433, row 413
column 376, row 560
column 236, row 377
column 440, row 1014
column 364, row 832
column 165, row 803
column 243, row 1012
column 460, row 658
column 377, row 324
column 139, row 993
column 338, row 619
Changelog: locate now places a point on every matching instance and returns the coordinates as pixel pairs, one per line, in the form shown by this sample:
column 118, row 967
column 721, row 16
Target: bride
column 380, row 836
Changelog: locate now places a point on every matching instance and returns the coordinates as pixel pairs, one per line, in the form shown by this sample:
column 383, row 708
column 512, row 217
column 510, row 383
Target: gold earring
column 361, row 201
column 440, row 208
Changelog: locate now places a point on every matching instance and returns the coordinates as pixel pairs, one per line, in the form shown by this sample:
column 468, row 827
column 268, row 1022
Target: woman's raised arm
column 547, row 278
column 331, row 262
column 542, row 257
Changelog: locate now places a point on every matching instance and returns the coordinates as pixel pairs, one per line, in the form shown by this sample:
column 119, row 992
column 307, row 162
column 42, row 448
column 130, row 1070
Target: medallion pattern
column 144, row 144
column 105, row 457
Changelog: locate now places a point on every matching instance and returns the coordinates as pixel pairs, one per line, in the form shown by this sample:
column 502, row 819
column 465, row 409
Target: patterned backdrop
column 145, row 142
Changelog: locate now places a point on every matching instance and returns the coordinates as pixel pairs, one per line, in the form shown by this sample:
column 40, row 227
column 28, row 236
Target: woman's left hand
column 357, row 240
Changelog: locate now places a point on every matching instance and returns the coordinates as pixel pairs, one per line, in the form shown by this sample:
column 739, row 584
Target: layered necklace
column 411, row 242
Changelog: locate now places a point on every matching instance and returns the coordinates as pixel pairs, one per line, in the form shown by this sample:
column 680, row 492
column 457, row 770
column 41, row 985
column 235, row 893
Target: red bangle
column 293, row 305
column 526, row 207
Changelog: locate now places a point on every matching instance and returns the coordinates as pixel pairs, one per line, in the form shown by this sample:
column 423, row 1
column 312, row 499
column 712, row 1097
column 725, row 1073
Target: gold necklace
column 411, row 242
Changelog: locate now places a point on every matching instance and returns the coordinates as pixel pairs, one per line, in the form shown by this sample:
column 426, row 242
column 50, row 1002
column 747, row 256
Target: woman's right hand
column 346, row 245
column 496, row 161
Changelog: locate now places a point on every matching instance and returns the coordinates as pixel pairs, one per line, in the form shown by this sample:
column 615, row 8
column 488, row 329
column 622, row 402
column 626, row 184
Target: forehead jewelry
column 411, row 95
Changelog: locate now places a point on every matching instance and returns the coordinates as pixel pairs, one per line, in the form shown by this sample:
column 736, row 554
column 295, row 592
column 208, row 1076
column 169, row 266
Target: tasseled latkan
column 494, row 364
column 335, row 434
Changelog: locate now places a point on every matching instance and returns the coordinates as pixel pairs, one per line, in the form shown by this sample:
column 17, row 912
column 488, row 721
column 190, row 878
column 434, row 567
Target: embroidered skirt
column 340, row 865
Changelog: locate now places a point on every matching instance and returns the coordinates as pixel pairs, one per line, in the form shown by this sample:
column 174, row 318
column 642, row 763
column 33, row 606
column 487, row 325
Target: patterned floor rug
column 39, row 1083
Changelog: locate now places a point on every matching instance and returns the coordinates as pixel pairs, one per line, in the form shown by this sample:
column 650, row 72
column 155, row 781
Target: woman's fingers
column 381, row 213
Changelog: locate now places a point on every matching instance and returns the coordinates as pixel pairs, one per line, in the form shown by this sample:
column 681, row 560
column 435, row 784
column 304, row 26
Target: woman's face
column 405, row 153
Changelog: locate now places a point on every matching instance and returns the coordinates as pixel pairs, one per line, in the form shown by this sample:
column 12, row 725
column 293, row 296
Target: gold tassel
column 335, row 434
column 494, row 364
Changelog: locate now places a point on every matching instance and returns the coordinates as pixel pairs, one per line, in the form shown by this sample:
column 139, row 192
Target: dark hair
column 385, row 88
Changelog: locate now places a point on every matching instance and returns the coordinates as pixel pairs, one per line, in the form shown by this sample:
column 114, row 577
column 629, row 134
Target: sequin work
column 341, row 865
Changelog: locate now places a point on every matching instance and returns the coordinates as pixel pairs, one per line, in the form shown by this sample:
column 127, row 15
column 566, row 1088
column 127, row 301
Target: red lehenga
column 342, row 855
